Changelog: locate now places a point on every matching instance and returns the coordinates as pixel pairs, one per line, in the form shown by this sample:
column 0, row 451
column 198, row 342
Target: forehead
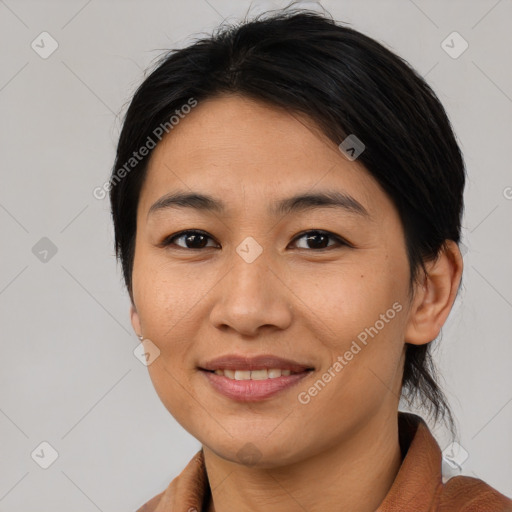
column 236, row 147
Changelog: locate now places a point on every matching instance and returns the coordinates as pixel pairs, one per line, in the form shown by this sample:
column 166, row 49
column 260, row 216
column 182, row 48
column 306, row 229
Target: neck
column 354, row 475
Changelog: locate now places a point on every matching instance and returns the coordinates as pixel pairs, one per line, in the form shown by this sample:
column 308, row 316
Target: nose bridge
column 250, row 277
column 250, row 295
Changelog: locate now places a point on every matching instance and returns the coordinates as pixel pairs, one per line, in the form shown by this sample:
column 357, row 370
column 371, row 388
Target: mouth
column 240, row 363
column 260, row 374
column 250, row 379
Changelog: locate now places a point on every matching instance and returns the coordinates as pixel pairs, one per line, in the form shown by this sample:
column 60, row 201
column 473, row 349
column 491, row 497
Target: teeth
column 259, row 374
column 254, row 374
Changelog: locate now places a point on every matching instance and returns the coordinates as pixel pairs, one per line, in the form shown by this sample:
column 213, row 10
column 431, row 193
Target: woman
column 287, row 198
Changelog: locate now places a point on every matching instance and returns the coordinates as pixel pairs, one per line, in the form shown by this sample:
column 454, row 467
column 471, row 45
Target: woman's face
column 260, row 283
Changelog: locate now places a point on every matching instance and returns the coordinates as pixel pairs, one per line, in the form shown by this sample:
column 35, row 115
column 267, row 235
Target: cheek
column 358, row 314
column 165, row 295
column 345, row 300
column 365, row 368
column 166, row 311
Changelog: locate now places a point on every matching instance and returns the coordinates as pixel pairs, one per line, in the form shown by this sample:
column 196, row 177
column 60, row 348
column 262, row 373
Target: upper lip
column 236, row 362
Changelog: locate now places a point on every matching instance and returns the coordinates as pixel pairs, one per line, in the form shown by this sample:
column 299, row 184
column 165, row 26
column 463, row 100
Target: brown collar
column 419, row 477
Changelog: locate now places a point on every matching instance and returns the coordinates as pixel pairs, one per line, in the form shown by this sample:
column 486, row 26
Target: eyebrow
column 297, row 203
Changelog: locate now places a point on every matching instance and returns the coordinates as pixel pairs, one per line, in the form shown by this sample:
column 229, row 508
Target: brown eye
column 317, row 239
column 192, row 239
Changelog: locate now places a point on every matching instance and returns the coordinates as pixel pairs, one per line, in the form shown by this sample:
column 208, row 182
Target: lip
column 260, row 362
column 252, row 390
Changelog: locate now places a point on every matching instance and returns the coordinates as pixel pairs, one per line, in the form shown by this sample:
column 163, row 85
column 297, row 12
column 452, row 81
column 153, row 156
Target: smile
column 254, row 385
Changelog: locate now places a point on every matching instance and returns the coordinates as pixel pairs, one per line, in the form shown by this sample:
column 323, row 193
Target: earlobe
column 135, row 320
column 435, row 296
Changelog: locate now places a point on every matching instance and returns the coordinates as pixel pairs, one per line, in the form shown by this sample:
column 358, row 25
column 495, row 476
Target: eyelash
column 169, row 241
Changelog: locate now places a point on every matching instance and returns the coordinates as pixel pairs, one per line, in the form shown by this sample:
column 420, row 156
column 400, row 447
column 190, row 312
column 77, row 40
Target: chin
column 258, row 452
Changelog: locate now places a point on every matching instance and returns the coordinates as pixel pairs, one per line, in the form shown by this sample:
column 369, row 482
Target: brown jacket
column 417, row 487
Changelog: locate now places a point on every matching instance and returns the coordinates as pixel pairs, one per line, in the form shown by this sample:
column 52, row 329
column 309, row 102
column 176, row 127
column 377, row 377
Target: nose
column 252, row 297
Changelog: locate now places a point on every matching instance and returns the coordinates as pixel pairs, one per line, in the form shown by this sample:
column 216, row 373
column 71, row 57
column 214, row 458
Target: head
column 367, row 264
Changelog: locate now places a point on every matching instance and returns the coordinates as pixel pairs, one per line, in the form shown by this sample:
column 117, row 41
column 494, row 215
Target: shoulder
column 151, row 505
column 468, row 494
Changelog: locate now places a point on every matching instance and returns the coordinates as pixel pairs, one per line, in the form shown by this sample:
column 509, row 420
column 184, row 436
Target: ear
column 134, row 317
column 434, row 296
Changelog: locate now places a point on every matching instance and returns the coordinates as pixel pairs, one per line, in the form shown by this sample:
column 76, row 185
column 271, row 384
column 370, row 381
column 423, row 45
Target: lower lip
column 252, row 390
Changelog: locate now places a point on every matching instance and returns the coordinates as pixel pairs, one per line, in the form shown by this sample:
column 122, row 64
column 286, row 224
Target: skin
column 340, row 451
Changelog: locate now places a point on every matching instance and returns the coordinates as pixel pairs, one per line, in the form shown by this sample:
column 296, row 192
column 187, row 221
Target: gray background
column 68, row 375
